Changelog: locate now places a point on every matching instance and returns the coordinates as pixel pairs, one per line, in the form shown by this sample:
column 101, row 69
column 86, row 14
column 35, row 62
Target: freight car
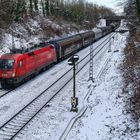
column 66, row 46
column 20, row 65
column 106, row 30
column 71, row 44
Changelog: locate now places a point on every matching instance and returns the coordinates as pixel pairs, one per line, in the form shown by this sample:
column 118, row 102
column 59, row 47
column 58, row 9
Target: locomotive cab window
column 7, row 64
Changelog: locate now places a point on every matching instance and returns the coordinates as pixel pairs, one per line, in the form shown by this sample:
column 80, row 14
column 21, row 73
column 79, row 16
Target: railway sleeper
column 34, row 104
column 27, row 109
column 41, row 98
column 27, row 114
column 41, row 101
column 12, row 127
column 15, row 124
column 38, row 103
column 27, row 117
column 32, row 108
column 35, row 108
column 20, row 121
column 5, row 132
column 13, row 130
column 24, row 120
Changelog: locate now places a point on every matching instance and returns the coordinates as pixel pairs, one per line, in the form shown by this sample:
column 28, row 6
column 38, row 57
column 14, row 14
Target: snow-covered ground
column 104, row 117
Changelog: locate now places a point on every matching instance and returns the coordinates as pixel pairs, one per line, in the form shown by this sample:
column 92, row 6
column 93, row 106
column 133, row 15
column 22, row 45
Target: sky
column 113, row 4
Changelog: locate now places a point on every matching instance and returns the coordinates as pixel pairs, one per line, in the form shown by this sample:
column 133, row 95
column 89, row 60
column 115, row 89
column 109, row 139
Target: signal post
column 74, row 99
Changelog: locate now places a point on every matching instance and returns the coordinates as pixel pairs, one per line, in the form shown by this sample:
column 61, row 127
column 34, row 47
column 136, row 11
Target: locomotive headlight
column 13, row 74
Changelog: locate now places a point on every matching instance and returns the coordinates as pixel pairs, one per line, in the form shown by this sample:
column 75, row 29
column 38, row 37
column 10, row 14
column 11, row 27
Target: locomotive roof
column 10, row 56
column 34, row 47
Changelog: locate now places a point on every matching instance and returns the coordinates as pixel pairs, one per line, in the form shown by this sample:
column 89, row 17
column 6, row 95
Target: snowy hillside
column 31, row 31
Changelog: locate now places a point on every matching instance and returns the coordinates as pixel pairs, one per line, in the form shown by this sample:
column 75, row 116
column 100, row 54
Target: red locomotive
column 19, row 65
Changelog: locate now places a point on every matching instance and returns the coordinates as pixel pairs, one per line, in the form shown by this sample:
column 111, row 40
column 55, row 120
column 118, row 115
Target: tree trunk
column 138, row 8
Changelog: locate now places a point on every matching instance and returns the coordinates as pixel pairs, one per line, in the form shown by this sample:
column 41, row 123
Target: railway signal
column 74, row 99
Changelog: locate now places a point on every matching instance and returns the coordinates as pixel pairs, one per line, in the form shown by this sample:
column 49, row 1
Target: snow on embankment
column 30, row 31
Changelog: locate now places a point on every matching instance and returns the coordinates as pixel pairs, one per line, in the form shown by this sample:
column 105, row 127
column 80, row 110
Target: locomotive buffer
column 74, row 99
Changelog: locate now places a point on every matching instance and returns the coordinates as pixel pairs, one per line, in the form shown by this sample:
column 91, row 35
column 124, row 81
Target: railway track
column 13, row 127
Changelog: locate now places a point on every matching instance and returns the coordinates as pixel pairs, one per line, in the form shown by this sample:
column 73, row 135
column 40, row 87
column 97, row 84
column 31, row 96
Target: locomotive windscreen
column 6, row 64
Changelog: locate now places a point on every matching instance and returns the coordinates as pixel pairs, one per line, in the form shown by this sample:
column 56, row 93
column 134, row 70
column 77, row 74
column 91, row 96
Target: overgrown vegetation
column 78, row 11
column 131, row 65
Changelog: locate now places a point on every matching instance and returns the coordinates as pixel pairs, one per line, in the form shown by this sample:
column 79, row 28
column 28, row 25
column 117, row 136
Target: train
column 20, row 65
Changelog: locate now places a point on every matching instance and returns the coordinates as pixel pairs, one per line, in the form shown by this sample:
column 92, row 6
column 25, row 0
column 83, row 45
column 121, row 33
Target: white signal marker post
column 74, row 99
